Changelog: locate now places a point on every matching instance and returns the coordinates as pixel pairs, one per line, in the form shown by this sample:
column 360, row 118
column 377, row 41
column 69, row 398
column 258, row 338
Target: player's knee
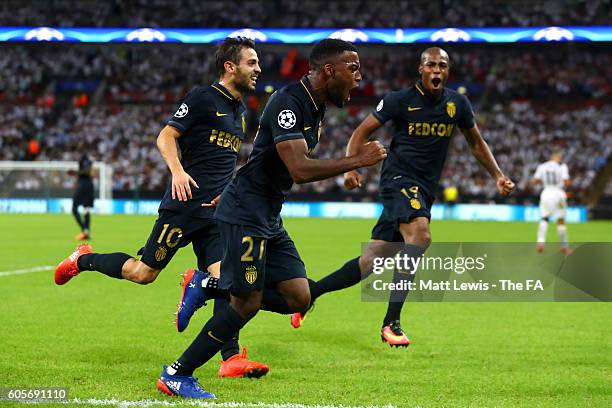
column 421, row 237
column 246, row 305
column 425, row 239
column 141, row 273
column 143, row 278
column 545, row 219
column 299, row 302
column 366, row 263
column 372, row 255
column 417, row 232
column 561, row 221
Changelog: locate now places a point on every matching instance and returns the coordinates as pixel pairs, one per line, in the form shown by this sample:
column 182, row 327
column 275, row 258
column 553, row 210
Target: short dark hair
column 433, row 50
column 326, row 49
column 229, row 50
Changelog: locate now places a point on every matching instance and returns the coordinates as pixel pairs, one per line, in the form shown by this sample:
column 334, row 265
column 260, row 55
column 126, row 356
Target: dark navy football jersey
column 85, row 165
column 255, row 197
column 212, row 126
column 85, row 180
column 422, row 126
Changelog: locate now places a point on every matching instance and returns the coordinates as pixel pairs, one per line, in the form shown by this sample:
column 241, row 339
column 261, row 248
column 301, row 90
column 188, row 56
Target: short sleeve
column 564, row 172
column 538, row 172
column 466, row 118
column 195, row 105
column 285, row 118
column 388, row 107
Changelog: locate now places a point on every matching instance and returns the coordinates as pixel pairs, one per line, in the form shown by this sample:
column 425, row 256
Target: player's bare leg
column 233, row 363
column 138, row 272
column 117, row 265
column 357, row 269
column 219, row 329
column 296, row 293
column 417, row 237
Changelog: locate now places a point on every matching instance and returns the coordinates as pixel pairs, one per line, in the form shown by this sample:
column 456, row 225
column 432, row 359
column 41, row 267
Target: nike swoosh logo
column 222, row 114
column 308, row 127
column 411, row 109
column 389, row 334
column 212, row 336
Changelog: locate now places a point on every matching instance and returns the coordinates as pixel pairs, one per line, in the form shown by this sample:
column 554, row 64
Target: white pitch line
column 204, row 404
column 26, row 270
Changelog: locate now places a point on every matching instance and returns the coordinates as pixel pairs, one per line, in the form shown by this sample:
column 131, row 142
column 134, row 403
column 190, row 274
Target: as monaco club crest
column 250, row 275
column 451, row 109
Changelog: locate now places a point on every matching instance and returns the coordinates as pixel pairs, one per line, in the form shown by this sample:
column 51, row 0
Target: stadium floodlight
column 49, row 179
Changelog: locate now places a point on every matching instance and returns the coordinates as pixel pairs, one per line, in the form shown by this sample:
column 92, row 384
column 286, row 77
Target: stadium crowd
column 524, row 111
column 163, row 74
column 303, row 14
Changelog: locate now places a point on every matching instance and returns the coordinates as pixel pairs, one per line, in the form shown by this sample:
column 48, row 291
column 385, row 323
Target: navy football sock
column 230, row 347
column 77, row 217
column 212, row 290
column 398, row 297
column 272, row 301
column 218, row 330
column 348, row 275
column 87, row 220
column 109, row 264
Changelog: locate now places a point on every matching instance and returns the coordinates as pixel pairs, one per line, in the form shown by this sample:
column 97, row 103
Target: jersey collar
column 307, row 87
column 428, row 95
column 223, row 90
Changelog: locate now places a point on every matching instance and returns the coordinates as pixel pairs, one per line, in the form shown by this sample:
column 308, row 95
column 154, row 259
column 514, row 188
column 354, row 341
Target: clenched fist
column 371, row 153
column 505, row 186
column 352, row 179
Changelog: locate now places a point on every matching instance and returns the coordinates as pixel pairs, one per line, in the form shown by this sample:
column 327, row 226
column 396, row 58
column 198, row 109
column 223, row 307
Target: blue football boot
column 192, row 298
column 181, row 386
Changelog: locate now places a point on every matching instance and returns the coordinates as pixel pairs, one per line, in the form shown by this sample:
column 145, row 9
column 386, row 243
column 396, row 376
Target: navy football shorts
column 402, row 202
column 250, row 263
column 84, row 195
column 173, row 230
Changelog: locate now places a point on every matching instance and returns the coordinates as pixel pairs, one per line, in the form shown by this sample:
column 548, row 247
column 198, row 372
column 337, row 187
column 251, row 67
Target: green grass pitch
column 102, row 338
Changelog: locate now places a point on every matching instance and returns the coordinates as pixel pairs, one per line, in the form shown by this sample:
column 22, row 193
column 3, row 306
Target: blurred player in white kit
column 554, row 177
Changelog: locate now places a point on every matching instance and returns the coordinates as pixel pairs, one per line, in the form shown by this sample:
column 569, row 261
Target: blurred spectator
column 524, row 110
column 303, row 14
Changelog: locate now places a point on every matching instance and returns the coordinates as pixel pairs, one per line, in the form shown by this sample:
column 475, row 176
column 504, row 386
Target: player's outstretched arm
column 181, row 181
column 294, row 153
column 361, row 135
column 483, row 154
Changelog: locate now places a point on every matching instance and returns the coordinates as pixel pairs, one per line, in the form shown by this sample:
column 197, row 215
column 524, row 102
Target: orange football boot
column 394, row 335
column 238, row 366
column 297, row 319
column 68, row 269
column 82, row 236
